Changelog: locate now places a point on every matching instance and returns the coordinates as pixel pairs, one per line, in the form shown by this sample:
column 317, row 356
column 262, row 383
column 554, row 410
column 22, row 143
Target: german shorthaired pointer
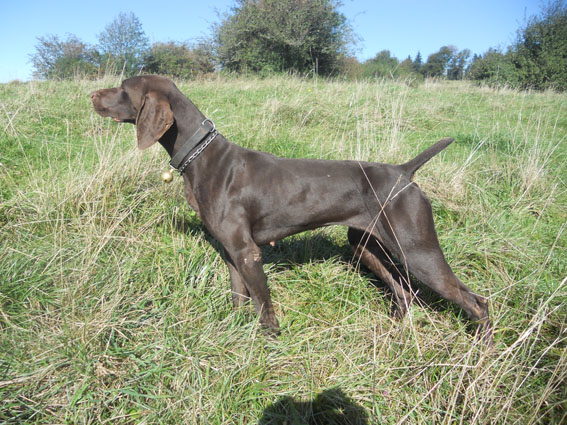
column 247, row 198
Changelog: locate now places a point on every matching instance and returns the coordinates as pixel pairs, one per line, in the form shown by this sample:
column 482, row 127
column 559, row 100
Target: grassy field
column 115, row 306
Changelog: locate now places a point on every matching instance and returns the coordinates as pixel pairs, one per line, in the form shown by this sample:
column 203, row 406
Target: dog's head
column 142, row 100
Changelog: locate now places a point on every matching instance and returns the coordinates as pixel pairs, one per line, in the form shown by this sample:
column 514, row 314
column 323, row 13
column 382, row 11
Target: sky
column 402, row 26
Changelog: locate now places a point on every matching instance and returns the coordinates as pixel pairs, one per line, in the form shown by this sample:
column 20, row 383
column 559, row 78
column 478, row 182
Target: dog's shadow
column 331, row 407
column 310, row 246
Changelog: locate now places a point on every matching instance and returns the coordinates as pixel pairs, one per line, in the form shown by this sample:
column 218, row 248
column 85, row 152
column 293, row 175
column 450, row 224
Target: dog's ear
column 153, row 120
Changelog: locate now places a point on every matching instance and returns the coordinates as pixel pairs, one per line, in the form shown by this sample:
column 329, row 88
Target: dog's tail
column 410, row 167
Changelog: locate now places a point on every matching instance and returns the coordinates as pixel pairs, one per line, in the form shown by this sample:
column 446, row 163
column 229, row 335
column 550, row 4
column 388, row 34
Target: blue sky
column 402, row 26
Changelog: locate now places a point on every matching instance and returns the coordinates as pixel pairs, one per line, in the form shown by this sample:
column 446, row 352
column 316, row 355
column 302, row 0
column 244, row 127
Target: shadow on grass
column 331, row 407
column 299, row 249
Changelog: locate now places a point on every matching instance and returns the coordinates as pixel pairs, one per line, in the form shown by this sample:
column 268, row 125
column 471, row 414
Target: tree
column 59, row 59
column 283, row 35
column 437, row 63
column 458, row 64
column 406, row 66
column 540, row 51
column 123, row 44
column 418, row 62
column 179, row 60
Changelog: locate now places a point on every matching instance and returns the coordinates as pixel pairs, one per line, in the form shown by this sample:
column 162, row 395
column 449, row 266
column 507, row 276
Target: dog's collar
column 204, row 135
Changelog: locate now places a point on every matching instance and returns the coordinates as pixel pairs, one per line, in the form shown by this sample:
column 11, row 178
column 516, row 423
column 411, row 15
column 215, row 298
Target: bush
column 538, row 58
column 178, row 60
column 494, row 68
column 61, row 59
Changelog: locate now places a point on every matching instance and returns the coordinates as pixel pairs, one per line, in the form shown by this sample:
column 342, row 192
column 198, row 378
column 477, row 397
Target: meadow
column 115, row 303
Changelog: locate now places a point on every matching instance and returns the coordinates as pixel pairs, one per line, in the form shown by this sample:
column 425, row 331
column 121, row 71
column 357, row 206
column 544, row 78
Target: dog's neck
column 188, row 118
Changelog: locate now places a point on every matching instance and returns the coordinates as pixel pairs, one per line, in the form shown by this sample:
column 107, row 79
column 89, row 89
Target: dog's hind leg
column 410, row 234
column 368, row 250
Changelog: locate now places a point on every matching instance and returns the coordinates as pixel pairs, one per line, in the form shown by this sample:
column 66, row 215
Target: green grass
column 115, row 306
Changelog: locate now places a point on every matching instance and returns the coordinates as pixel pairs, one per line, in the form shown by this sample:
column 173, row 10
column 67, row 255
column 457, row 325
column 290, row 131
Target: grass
column 115, row 306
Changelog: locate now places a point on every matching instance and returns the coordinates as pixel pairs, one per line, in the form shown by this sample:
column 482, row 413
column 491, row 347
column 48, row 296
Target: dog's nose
column 93, row 94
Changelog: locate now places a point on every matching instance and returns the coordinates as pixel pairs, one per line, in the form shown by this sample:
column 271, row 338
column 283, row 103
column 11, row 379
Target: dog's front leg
column 247, row 259
column 240, row 295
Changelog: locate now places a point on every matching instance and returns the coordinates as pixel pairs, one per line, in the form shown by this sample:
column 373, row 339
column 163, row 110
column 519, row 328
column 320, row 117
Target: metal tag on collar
column 167, row 176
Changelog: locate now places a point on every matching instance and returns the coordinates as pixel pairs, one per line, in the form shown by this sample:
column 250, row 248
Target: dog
column 247, row 198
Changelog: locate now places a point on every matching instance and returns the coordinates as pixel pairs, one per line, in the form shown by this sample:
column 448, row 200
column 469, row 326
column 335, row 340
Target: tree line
column 304, row 37
column 122, row 48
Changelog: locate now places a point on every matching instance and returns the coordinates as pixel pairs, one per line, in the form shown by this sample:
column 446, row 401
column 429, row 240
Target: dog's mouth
column 125, row 120
column 112, row 113
column 105, row 112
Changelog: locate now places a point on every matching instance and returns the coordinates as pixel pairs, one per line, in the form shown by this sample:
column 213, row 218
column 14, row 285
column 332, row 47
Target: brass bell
column 167, row 176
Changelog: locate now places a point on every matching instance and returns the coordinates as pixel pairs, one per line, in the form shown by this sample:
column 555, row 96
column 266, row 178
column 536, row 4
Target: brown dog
column 247, row 198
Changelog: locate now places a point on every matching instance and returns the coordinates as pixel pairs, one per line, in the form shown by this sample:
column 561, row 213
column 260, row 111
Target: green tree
column 437, row 63
column 283, row 35
column 540, row 51
column 406, row 66
column 458, row 64
column 60, row 59
column 123, row 44
column 418, row 62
